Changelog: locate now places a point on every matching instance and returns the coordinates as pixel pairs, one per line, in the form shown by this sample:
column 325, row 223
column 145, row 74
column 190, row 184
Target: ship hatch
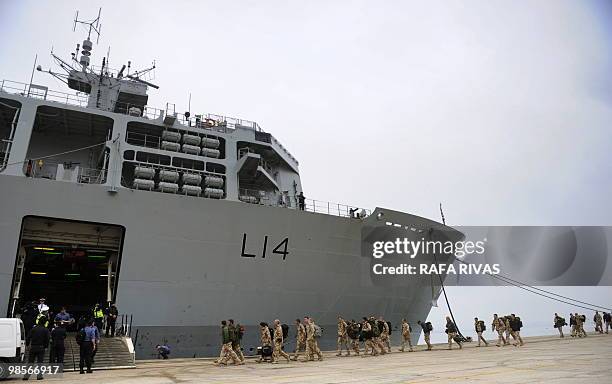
column 70, row 263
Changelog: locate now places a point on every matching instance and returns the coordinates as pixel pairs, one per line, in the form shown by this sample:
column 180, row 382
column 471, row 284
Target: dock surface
column 541, row 359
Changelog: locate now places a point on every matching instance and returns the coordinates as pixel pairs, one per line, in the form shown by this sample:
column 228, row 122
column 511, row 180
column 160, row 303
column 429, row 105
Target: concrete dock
column 541, row 359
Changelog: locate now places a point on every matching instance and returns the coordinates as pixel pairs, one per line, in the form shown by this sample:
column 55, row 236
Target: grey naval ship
column 181, row 219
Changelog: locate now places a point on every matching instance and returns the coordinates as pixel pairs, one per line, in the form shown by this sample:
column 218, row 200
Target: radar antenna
column 94, row 25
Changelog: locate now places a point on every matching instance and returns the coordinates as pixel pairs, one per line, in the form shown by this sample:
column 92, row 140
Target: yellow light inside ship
column 44, row 249
column 38, row 273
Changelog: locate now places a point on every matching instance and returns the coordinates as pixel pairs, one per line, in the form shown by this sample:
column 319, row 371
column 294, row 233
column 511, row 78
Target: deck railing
column 261, row 197
column 39, row 92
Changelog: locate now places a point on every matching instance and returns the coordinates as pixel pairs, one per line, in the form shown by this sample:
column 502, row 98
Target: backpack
column 80, row 336
column 226, row 334
column 285, row 328
column 483, row 327
column 353, row 331
column 233, row 333
column 389, row 325
column 318, row 332
column 428, row 326
column 375, row 328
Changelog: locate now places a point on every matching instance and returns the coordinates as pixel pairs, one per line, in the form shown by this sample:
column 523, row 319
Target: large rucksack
column 285, row 328
column 389, row 325
column 483, row 327
column 318, row 332
column 353, row 331
column 233, row 333
column 428, row 326
column 375, row 328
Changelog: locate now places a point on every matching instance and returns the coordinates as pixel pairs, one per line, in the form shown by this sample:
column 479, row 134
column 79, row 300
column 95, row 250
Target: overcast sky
column 501, row 110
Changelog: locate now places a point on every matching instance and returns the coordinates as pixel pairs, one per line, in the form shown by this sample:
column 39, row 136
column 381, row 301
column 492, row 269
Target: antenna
column 94, row 25
column 442, row 214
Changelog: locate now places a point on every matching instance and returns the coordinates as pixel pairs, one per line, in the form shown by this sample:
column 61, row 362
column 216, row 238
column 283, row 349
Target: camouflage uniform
column 369, row 343
column 478, row 329
column 385, row 336
column 300, row 341
column 598, row 322
column 342, row 338
column 558, row 322
column 377, row 340
column 580, row 326
column 266, row 340
column 498, row 325
column 451, row 331
column 574, row 326
column 406, row 336
column 515, row 322
column 508, row 329
column 426, row 334
column 235, row 333
column 226, row 350
column 311, row 343
column 278, row 343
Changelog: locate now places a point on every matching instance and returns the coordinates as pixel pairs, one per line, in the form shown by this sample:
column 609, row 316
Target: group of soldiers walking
column 506, row 327
column 577, row 323
column 375, row 336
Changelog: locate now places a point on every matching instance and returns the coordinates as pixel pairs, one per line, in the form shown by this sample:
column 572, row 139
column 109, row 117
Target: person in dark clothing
column 28, row 316
column 39, row 341
column 301, row 201
column 58, row 335
column 111, row 318
column 607, row 318
column 452, row 331
column 162, row 351
column 427, row 328
column 88, row 346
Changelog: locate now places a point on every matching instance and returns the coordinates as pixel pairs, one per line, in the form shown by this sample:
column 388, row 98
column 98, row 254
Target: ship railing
column 256, row 196
column 41, row 92
column 335, row 209
column 211, row 121
column 131, row 109
column 92, row 176
column 65, row 171
column 262, row 197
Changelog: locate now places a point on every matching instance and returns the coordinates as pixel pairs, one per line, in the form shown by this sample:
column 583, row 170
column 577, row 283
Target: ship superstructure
column 181, row 219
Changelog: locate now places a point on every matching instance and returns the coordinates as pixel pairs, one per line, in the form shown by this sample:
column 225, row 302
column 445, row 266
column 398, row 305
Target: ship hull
column 187, row 263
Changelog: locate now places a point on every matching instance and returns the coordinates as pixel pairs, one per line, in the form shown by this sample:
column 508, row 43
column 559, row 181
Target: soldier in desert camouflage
column 300, row 339
column 499, row 327
column 226, row 350
column 478, row 325
column 265, row 339
column 385, row 334
column 368, row 334
column 312, row 347
column 406, row 336
column 343, row 339
column 278, row 342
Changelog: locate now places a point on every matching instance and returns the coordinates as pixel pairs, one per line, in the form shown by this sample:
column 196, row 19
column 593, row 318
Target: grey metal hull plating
column 182, row 271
